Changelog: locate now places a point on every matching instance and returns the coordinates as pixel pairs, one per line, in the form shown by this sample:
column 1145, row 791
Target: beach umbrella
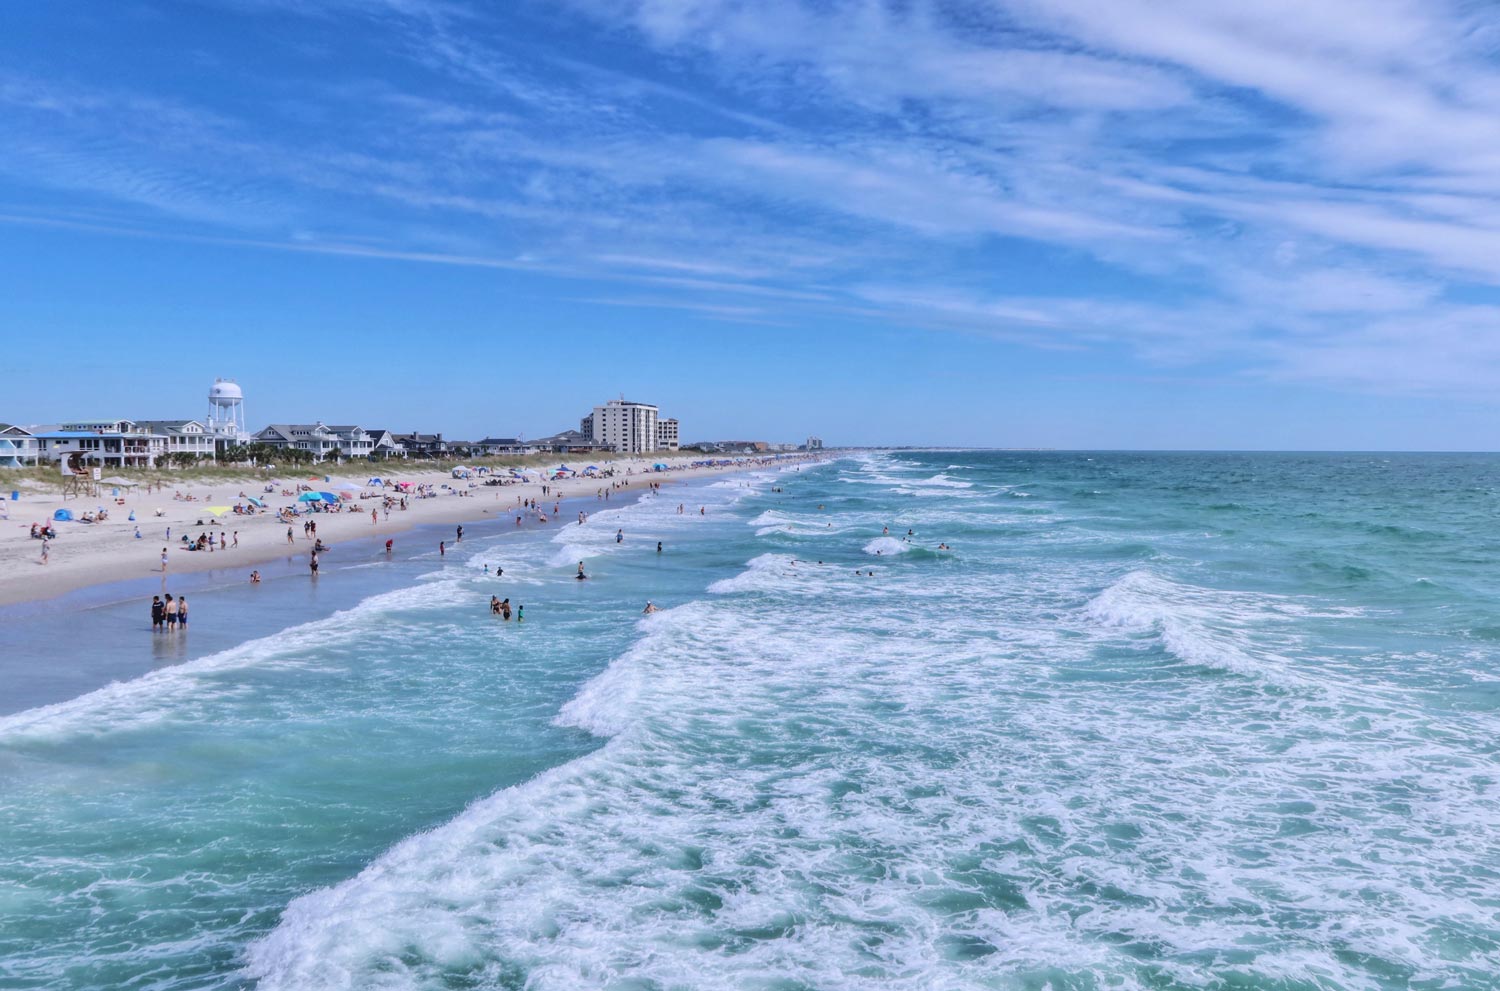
column 310, row 497
column 328, row 497
column 256, row 502
column 218, row 510
column 659, row 466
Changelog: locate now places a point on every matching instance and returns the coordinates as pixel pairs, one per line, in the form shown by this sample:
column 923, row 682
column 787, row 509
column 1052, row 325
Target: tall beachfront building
column 666, row 435
column 627, row 427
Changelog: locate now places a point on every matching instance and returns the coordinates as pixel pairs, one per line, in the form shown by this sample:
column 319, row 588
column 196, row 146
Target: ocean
column 1155, row 721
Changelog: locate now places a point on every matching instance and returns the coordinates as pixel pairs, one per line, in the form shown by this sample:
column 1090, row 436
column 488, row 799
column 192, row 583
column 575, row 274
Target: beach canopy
column 346, row 487
column 659, row 466
column 218, row 510
column 375, row 481
column 63, row 514
column 256, row 502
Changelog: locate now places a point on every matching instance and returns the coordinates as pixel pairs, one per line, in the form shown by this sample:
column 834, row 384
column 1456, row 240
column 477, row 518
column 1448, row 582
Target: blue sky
column 1053, row 223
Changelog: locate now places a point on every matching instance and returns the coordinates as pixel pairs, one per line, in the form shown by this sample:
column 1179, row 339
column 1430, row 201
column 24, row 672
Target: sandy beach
column 88, row 554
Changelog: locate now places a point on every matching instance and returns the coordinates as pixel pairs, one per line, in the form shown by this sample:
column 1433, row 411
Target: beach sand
column 87, row 554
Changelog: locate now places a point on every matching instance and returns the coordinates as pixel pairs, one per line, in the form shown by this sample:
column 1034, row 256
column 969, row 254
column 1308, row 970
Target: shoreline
column 87, row 560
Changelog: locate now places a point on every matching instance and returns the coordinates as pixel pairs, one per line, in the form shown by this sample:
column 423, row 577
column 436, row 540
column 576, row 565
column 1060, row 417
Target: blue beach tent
column 65, row 515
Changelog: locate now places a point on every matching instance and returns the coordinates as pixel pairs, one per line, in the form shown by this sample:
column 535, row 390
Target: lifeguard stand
column 78, row 477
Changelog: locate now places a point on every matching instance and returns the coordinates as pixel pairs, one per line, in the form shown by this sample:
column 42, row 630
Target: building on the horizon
column 814, row 444
column 622, row 426
column 666, row 435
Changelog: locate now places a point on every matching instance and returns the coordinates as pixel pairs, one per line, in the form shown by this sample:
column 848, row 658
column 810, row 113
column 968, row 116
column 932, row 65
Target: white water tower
column 226, row 412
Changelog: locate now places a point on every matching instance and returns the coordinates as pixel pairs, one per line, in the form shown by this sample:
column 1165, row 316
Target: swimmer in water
column 494, row 606
column 650, row 608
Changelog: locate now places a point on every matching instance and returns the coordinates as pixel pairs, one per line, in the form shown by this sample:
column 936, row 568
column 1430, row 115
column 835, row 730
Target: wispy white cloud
column 1300, row 191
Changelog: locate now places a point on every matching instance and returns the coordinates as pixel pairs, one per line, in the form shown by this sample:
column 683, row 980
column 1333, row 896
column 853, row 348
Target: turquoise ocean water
column 1156, row 721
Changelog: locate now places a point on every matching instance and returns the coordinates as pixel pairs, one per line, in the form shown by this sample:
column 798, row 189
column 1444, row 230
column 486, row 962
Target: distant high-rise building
column 666, row 435
column 626, row 427
column 815, row 443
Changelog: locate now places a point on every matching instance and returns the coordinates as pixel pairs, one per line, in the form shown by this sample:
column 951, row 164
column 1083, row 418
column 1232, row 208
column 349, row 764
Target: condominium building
column 666, row 435
column 623, row 426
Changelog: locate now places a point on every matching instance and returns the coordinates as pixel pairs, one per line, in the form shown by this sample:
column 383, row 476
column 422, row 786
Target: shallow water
column 1156, row 721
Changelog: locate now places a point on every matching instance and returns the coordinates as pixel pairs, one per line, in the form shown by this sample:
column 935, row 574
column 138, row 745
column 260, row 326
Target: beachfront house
column 492, row 447
column 116, row 443
column 315, row 438
column 384, row 445
column 18, row 448
column 423, row 445
column 183, row 436
column 569, row 442
column 353, row 442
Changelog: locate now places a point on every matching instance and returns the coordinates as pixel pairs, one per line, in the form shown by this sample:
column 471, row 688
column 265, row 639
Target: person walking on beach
column 182, row 612
column 158, row 614
column 171, row 609
column 163, row 560
column 236, row 539
column 46, row 545
column 374, row 518
column 388, row 545
column 312, row 564
column 289, row 536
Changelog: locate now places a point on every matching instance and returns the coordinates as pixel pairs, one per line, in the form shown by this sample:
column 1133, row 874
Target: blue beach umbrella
column 256, row 502
column 328, row 497
column 310, row 497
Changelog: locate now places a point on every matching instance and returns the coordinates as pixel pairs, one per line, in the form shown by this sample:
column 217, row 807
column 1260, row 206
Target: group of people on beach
column 171, row 614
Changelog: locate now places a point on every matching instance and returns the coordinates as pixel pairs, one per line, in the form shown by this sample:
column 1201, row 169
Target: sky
column 1011, row 223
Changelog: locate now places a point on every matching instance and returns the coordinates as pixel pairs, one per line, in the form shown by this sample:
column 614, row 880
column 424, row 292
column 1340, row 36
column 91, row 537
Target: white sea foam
column 887, row 546
column 885, row 799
